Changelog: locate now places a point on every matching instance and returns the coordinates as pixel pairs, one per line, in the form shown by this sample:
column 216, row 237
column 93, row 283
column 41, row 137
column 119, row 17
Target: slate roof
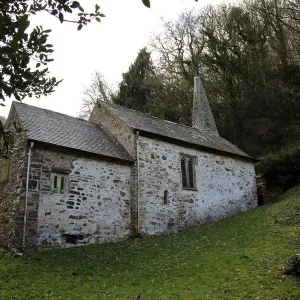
column 148, row 124
column 62, row 130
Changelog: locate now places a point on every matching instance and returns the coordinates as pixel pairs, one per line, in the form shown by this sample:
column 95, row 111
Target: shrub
column 293, row 267
column 281, row 168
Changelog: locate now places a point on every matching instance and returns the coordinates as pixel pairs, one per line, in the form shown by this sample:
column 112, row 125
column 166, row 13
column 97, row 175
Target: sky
column 108, row 47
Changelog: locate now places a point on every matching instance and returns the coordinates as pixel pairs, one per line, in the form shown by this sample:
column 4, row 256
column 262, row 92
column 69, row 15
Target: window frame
column 55, row 185
column 188, row 158
column 166, row 200
column 5, row 164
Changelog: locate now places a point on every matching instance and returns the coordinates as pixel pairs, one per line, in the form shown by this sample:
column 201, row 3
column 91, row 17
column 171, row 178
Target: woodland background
column 249, row 58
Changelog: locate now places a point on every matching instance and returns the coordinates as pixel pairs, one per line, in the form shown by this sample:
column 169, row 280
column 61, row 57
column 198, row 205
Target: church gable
column 71, row 179
column 115, row 126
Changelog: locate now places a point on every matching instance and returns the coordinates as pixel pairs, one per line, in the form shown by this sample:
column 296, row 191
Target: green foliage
column 146, row 3
column 293, row 267
column 281, row 168
column 139, row 84
column 239, row 258
column 173, row 101
column 25, row 54
column 7, row 138
column 248, row 55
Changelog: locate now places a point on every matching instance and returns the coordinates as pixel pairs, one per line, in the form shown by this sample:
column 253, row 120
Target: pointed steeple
column 202, row 117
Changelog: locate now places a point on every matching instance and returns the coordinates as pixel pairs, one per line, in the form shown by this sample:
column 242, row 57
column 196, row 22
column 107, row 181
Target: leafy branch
column 25, row 55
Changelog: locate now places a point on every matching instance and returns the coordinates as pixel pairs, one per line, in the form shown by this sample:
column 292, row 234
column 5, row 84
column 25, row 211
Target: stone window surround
column 166, row 197
column 195, row 162
column 5, row 164
column 60, row 174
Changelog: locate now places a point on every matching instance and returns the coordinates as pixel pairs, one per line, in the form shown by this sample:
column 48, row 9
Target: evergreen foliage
column 281, row 168
column 139, row 83
column 25, row 52
column 249, row 63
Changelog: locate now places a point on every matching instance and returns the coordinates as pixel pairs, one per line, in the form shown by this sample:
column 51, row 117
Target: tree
column 139, row 84
column 25, row 55
column 173, row 100
column 249, row 60
column 97, row 90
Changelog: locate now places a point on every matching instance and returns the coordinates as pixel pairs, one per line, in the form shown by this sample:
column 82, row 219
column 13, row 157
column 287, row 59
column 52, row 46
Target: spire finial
column 197, row 70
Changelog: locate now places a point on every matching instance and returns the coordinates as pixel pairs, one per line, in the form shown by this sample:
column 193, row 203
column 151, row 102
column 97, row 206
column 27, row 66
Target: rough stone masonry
column 119, row 175
column 224, row 187
column 94, row 209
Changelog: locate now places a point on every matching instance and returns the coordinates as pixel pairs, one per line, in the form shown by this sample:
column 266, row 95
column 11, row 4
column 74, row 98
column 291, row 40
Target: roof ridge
column 75, row 118
column 51, row 111
column 160, row 127
column 148, row 115
column 59, row 129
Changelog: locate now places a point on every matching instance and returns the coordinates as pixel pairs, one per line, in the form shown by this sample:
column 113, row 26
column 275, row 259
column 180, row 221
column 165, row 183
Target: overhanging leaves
column 146, row 3
column 25, row 52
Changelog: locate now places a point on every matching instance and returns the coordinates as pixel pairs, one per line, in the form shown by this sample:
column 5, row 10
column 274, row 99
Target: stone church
column 121, row 174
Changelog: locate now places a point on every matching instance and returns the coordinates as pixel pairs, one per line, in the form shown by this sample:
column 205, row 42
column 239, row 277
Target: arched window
column 188, row 172
column 184, row 171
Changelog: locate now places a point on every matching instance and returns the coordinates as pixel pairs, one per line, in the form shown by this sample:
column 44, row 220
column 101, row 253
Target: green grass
column 239, row 258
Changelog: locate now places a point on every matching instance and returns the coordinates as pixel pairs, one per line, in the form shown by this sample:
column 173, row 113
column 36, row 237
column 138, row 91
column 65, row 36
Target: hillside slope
column 239, row 258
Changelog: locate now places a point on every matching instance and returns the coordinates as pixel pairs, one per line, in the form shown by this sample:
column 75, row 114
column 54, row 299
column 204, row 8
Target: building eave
column 49, row 146
column 196, row 146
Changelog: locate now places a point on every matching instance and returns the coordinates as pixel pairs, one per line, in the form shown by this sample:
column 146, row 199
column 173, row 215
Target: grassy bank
column 239, row 258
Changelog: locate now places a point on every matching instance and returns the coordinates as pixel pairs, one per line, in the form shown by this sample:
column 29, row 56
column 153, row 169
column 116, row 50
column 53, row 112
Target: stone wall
column 93, row 209
column 225, row 187
column 116, row 127
column 10, row 191
column 128, row 139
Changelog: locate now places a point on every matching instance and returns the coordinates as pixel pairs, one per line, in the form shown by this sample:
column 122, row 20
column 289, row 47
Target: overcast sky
column 109, row 47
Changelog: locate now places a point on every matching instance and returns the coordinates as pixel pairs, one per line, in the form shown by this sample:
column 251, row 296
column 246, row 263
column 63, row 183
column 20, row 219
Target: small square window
column 188, row 172
column 58, row 183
